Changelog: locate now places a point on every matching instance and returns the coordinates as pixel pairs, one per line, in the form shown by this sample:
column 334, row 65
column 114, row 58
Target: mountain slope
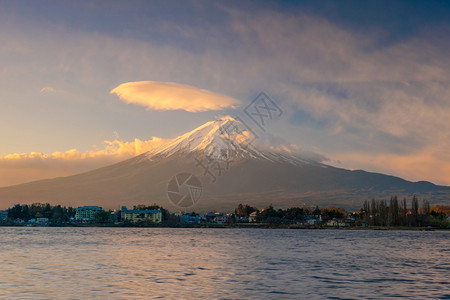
column 224, row 139
column 247, row 175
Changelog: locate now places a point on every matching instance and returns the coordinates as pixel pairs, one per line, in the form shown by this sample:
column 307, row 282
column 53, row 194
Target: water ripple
column 143, row 263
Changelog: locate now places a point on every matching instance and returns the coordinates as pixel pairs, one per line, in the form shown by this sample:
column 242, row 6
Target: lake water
column 146, row 263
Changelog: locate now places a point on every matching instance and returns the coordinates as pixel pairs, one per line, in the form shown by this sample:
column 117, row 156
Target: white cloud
column 47, row 89
column 172, row 96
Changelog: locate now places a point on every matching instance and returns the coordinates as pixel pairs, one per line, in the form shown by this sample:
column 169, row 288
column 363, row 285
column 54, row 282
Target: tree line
column 394, row 212
column 397, row 213
column 56, row 214
column 289, row 215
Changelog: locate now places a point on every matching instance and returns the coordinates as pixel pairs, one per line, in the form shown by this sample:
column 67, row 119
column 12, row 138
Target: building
column 333, row 223
column 310, row 220
column 252, row 217
column 210, row 217
column 3, row 215
column 221, row 218
column 42, row 221
column 141, row 215
column 190, row 218
column 87, row 213
column 243, row 219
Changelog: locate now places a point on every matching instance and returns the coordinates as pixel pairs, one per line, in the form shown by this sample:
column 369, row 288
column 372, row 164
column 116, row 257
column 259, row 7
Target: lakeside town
column 374, row 213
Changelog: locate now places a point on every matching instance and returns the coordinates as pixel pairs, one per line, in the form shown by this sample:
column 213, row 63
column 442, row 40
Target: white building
column 139, row 215
column 252, row 217
column 87, row 213
column 221, row 218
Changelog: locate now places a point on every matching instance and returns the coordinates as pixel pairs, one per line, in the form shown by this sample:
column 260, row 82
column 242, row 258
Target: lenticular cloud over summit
column 172, row 96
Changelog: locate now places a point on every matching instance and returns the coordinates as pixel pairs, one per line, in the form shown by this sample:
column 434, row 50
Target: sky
column 363, row 84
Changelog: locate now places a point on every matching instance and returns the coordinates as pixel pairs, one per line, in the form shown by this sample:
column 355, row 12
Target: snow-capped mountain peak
column 225, row 139
column 221, row 139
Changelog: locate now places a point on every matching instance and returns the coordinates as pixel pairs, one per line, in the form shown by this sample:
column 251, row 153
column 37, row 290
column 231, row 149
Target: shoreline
column 241, row 226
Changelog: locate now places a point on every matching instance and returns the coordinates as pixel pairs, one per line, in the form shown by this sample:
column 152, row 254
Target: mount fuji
column 221, row 161
column 222, row 140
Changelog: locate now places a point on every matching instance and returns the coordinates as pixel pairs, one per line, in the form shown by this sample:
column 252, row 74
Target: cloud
column 114, row 148
column 429, row 164
column 172, row 96
column 47, row 89
column 278, row 144
column 18, row 168
column 295, row 150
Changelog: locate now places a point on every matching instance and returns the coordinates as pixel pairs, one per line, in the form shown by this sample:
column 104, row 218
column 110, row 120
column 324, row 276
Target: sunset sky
column 364, row 84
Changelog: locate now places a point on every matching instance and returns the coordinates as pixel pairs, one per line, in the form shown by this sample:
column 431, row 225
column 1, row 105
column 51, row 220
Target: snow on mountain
column 218, row 139
column 224, row 139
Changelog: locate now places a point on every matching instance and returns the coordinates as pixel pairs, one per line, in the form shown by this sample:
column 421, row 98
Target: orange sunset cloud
column 172, row 96
column 23, row 167
column 415, row 166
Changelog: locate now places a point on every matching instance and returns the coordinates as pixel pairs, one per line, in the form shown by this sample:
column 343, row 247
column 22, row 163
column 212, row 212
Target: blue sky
column 364, row 83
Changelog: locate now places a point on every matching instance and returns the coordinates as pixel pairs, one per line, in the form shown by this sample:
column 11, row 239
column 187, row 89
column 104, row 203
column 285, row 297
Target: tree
column 332, row 212
column 414, row 211
column 383, row 212
column 425, row 212
column 240, row 210
column 57, row 214
column 316, row 211
column 47, row 212
column 244, row 210
column 270, row 215
column 294, row 213
column 404, row 212
column 393, row 211
column 26, row 214
column 15, row 212
column 373, row 212
column 366, row 212
column 103, row 217
column 425, row 207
